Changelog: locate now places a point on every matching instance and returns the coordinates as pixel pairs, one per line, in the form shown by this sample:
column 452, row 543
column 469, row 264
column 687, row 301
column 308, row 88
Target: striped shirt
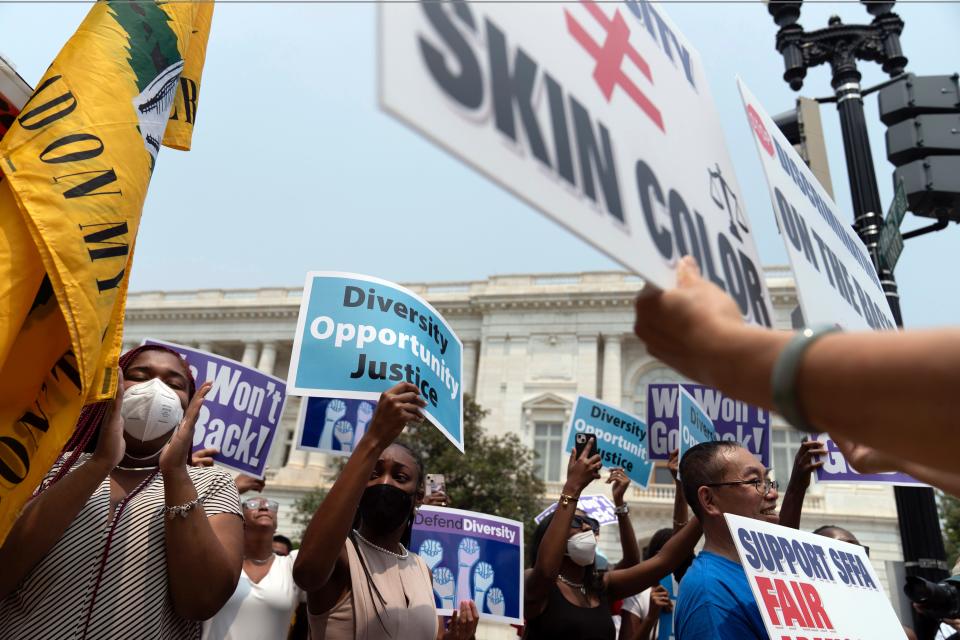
column 133, row 599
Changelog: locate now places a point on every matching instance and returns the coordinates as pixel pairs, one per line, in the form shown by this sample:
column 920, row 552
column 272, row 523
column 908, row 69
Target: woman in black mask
column 360, row 579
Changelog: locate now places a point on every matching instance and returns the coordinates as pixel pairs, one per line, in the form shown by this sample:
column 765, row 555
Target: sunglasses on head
column 577, row 522
column 259, row 503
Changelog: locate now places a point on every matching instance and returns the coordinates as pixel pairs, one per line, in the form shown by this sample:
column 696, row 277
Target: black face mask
column 384, row 507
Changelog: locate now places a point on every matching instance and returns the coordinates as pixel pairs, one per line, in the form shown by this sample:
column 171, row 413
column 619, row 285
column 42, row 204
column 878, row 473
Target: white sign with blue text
column 695, row 425
column 836, row 280
column 621, row 437
column 357, row 336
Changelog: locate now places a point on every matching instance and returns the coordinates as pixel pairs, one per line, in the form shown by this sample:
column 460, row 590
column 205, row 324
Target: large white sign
column 597, row 114
column 809, row 586
column 836, row 281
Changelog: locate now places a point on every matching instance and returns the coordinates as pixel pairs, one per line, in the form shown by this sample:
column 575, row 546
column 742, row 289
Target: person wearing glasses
column 266, row 596
column 564, row 595
column 715, row 600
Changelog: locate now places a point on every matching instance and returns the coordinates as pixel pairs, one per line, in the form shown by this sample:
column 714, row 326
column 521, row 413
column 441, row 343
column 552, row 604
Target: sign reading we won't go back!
column 596, row 113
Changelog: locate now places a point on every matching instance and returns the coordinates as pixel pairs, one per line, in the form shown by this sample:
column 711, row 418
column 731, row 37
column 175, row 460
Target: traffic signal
column 803, row 129
column 923, row 141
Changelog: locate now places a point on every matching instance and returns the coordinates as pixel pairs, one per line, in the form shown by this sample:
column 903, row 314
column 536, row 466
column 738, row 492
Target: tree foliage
column 304, row 507
column 950, row 516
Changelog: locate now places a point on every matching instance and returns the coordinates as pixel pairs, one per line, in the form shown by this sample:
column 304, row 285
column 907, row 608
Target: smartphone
column 580, row 441
column 435, row 483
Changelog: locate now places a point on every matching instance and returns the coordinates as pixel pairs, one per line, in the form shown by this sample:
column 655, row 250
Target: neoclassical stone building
column 531, row 344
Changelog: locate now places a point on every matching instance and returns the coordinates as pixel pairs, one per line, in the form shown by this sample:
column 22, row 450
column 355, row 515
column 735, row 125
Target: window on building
column 548, row 445
column 659, row 375
column 783, row 447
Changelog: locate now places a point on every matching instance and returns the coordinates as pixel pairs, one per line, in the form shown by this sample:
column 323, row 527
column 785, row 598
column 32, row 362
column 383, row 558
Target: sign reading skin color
column 241, row 413
column 600, row 508
column 836, row 469
column 836, row 280
column 734, row 420
column 620, row 437
column 472, row 556
column 597, row 114
column 357, row 336
column 695, row 425
column 332, row 425
column 811, row 586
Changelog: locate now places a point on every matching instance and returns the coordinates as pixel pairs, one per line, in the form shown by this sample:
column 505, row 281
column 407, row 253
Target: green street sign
column 891, row 242
column 898, row 208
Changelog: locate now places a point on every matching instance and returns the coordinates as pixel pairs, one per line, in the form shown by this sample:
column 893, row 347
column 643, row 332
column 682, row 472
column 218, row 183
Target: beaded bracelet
column 181, row 509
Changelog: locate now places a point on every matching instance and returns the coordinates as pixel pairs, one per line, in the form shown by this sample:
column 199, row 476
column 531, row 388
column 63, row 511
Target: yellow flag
column 75, row 169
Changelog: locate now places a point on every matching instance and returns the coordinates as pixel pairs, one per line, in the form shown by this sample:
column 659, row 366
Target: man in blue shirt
column 715, row 599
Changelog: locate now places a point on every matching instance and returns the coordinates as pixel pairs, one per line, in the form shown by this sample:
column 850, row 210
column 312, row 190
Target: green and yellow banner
column 75, row 167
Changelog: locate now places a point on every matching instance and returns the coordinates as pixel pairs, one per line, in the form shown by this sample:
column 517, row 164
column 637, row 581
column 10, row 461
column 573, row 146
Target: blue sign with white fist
column 333, row 425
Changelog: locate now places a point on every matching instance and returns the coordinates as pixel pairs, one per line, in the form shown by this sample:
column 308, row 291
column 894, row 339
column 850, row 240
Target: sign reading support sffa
column 357, row 336
column 811, row 586
column 620, row 437
column 241, row 413
column 596, row 113
column 734, row 420
column 836, row 280
column 836, row 469
column 695, row 425
column 472, row 556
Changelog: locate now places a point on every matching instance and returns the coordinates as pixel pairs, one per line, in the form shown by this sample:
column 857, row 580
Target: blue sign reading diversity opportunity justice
column 695, row 425
column 621, row 437
column 472, row 556
column 357, row 336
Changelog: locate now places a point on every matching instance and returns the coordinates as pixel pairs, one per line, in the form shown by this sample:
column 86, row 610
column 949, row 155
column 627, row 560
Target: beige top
column 409, row 613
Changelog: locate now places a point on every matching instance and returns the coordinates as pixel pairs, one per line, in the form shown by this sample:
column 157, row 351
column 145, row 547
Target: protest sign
column 809, row 586
column 835, row 277
column 600, row 508
column 734, row 420
column 14, row 93
column 472, row 557
column 695, row 425
column 332, row 425
column 597, row 114
column 357, row 336
column 836, row 469
column 240, row 414
column 620, row 437
column 665, row 623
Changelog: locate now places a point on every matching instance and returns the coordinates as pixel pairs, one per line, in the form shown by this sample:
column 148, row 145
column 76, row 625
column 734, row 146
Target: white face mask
column 150, row 409
column 582, row 548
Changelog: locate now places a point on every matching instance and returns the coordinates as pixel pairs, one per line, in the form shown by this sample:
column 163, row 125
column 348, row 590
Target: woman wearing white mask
column 564, row 596
column 128, row 542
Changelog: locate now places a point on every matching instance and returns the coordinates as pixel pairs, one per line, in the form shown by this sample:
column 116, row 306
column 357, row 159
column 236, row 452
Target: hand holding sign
column 620, row 483
column 397, row 406
column 806, row 462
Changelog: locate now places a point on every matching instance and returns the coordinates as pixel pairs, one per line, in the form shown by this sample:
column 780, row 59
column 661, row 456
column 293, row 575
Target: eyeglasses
column 763, row 487
column 259, row 503
column 577, row 522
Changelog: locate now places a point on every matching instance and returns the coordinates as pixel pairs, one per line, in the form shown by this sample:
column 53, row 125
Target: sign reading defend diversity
column 695, row 425
column 333, row 425
column 836, row 280
column 620, row 437
column 241, row 413
column 734, row 420
column 836, row 469
column 598, row 507
column 598, row 114
column 809, row 586
column 472, row 556
column 357, row 336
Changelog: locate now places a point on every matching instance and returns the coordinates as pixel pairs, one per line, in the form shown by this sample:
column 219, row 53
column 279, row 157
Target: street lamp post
column 841, row 46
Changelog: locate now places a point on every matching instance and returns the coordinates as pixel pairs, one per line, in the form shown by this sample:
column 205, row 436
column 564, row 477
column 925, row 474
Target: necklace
column 151, row 468
column 575, row 585
column 260, row 562
column 402, row 555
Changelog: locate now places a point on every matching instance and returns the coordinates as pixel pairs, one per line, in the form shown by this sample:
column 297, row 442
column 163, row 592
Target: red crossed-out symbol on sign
column 609, row 70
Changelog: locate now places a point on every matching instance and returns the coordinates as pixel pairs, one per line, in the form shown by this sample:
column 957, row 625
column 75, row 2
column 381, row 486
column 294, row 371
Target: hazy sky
column 294, row 166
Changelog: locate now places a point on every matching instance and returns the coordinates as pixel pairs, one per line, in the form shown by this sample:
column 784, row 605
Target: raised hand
column 204, row 457
column 364, row 415
column 432, row 553
column 336, row 409
column 343, row 432
column 445, row 587
column 463, row 622
column 659, row 601
column 620, row 483
column 397, row 406
column 673, row 464
column 583, row 470
column 246, row 483
column 482, row 581
column 808, row 458
column 110, row 445
column 496, row 603
column 468, row 553
column 174, row 456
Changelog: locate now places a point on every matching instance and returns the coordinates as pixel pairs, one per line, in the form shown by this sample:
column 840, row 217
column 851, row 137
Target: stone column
column 612, row 372
column 470, row 356
column 250, row 350
column 268, row 357
column 587, row 365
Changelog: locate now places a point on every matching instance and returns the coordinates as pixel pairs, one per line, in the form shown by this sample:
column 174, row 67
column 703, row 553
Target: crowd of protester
column 131, row 536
